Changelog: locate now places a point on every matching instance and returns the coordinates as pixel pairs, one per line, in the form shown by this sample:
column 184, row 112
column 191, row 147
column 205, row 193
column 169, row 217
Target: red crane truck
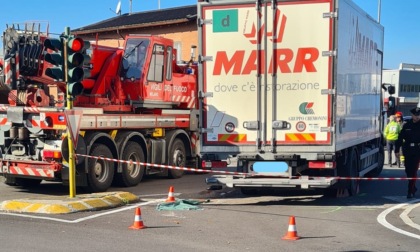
column 137, row 105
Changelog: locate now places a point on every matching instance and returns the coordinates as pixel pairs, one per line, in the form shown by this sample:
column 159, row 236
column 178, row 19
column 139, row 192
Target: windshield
column 134, row 57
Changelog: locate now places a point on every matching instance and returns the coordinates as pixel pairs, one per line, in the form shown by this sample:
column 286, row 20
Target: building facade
column 406, row 80
column 178, row 24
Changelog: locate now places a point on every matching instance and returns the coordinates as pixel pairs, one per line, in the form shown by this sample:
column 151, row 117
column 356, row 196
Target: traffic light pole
column 72, row 169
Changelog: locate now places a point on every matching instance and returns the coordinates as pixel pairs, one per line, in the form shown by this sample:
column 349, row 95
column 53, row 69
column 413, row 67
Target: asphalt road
column 375, row 220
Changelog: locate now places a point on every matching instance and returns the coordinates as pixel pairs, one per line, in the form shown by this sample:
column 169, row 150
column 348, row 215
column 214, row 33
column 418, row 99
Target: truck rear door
column 266, row 75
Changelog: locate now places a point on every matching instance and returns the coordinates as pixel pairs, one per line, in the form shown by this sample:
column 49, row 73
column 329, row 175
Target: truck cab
column 141, row 75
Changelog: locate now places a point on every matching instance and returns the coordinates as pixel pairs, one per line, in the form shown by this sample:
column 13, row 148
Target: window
column 169, row 63
column 134, row 57
column 178, row 48
column 156, row 64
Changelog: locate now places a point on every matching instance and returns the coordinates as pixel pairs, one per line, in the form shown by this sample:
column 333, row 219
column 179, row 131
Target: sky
column 400, row 18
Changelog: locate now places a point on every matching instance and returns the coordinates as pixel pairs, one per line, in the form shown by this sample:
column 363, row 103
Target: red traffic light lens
column 77, row 44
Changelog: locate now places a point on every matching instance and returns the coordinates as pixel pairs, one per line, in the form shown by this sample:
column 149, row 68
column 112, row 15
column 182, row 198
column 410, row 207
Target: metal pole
column 72, row 169
column 379, row 11
column 274, row 77
column 259, row 84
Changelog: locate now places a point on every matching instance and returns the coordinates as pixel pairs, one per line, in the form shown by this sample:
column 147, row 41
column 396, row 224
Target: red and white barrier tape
column 234, row 173
column 163, row 166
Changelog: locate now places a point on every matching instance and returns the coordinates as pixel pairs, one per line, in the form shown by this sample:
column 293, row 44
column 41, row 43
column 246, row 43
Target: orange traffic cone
column 171, row 197
column 138, row 222
column 291, row 231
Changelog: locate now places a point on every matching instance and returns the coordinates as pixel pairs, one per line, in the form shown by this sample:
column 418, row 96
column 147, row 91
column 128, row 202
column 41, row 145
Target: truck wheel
column 249, row 191
column 352, row 170
column 177, row 157
column 132, row 173
column 381, row 160
column 24, row 182
column 100, row 172
column 10, row 181
column 348, row 169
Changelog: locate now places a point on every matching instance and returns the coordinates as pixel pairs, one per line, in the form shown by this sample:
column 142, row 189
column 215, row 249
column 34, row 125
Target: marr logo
column 225, row 21
column 278, row 29
column 306, row 108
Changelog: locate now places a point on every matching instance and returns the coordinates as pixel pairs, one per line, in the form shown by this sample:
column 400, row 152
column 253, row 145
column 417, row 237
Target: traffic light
column 391, row 90
column 55, row 58
column 76, row 51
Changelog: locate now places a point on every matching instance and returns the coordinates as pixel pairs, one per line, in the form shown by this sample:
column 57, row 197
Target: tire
column 177, row 157
column 100, row 172
column 131, row 174
column 10, row 181
column 24, row 182
column 250, row 191
column 352, row 168
column 349, row 169
column 381, row 160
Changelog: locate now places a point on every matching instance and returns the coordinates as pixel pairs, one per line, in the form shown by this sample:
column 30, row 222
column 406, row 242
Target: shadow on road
column 385, row 189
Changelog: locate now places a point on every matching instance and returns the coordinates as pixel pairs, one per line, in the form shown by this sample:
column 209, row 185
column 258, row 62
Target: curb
column 65, row 205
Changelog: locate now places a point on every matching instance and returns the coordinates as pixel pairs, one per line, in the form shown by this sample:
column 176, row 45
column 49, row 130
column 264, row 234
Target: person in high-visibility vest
column 392, row 130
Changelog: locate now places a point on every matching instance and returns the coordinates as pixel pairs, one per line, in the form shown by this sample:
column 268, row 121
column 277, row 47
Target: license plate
column 270, row 167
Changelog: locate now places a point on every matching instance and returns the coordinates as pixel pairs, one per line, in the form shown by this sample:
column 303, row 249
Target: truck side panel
column 359, row 71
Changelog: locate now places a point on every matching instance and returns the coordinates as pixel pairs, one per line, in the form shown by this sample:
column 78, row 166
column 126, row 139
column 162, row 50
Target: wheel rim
column 179, row 158
column 133, row 169
column 101, row 170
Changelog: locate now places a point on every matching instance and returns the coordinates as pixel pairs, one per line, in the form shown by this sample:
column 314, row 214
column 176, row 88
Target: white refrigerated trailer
column 292, row 89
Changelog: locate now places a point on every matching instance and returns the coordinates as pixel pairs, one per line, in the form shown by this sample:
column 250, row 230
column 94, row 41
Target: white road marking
column 382, row 219
column 404, row 216
column 85, row 218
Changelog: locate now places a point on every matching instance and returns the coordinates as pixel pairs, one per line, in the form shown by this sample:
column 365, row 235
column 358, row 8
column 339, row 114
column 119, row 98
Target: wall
column 184, row 33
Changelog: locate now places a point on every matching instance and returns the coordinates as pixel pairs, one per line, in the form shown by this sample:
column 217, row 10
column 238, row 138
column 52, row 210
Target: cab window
column 134, row 57
column 156, row 64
